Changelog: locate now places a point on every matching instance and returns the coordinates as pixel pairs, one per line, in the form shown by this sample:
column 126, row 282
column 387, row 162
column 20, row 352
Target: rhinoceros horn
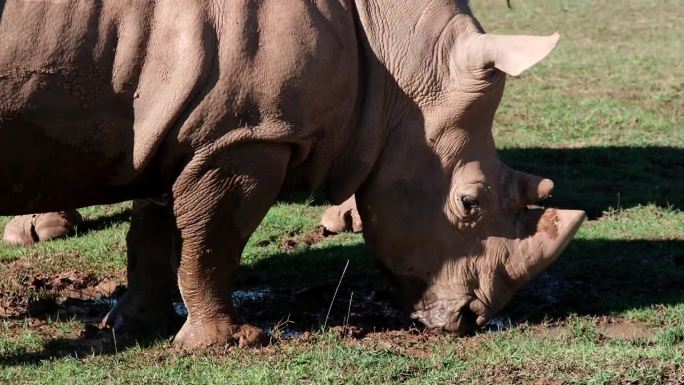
column 544, row 233
column 526, row 189
column 533, row 254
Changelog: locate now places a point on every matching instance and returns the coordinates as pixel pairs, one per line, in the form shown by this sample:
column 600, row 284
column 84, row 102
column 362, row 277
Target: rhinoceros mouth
column 450, row 315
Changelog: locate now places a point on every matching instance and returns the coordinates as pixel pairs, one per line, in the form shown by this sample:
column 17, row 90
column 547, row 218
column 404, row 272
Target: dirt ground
column 361, row 310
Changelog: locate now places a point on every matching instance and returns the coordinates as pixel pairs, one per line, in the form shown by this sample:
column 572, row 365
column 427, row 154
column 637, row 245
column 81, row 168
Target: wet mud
column 312, row 238
column 361, row 309
column 26, row 293
column 34, row 299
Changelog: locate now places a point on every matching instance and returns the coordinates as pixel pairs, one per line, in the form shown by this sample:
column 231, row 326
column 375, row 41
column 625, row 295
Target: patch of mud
column 360, row 307
column 548, row 223
column 286, row 313
column 317, row 235
column 549, row 292
column 240, row 297
column 410, row 342
column 550, row 289
column 627, row 331
column 24, row 292
column 363, row 308
column 607, row 328
column 498, row 323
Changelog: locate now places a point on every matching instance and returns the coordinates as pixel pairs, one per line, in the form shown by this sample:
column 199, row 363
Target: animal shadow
column 596, row 179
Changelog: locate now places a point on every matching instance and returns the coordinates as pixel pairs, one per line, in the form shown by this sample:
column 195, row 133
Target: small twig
column 508, row 3
column 279, row 328
column 325, row 324
column 116, row 350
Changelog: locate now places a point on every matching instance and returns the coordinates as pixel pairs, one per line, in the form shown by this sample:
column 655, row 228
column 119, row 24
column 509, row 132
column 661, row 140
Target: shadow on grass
column 592, row 277
column 104, row 221
column 59, row 348
column 604, row 277
column 303, row 287
column 595, row 179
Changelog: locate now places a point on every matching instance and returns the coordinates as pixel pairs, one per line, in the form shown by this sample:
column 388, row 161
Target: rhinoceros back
column 88, row 91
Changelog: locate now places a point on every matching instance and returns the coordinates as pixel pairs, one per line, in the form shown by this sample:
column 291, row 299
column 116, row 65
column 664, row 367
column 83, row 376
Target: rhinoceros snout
column 462, row 323
column 458, row 320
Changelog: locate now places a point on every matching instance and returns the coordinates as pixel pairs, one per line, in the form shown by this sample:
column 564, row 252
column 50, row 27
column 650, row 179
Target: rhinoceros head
column 454, row 227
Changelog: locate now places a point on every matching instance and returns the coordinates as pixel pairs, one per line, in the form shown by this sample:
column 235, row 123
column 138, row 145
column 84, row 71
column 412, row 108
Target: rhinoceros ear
column 511, row 54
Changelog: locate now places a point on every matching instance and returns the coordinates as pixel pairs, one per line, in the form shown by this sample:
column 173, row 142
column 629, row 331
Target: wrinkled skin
column 216, row 106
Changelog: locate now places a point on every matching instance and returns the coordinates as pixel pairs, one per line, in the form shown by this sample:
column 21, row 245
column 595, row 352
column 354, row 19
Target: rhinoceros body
column 216, row 105
column 121, row 94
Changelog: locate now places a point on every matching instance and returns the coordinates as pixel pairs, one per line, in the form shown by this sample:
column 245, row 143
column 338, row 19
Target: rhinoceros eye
column 470, row 203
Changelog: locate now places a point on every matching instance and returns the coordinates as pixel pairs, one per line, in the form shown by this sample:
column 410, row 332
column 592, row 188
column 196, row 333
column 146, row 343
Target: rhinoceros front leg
column 219, row 200
column 147, row 307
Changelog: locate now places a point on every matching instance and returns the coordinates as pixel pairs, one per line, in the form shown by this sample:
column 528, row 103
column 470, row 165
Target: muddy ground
column 361, row 309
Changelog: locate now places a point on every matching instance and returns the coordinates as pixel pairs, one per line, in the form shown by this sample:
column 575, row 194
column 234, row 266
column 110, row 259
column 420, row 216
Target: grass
column 601, row 116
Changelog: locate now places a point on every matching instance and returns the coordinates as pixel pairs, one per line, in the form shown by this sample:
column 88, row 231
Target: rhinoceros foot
column 34, row 228
column 133, row 316
column 218, row 334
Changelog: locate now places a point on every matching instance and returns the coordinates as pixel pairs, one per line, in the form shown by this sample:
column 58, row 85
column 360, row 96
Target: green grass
column 601, row 116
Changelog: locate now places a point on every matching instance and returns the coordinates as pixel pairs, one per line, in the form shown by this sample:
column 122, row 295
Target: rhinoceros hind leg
column 219, row 200
column 343, row 217
column 34, row 228
column 147, row 306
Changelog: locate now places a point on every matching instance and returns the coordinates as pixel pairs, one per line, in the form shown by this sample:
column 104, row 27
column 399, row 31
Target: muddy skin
column 147, row 307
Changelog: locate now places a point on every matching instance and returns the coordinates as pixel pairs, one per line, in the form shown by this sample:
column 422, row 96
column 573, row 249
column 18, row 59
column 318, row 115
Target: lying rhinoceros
column 219, row 104
column 31, row 228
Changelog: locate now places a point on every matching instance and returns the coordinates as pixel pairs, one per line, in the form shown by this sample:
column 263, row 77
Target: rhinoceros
column 218, row 105
column 32, row 228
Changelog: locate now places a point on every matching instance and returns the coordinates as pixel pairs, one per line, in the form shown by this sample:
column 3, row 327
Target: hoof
column 218, row 335
column 34, row 228
column 139, row 318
